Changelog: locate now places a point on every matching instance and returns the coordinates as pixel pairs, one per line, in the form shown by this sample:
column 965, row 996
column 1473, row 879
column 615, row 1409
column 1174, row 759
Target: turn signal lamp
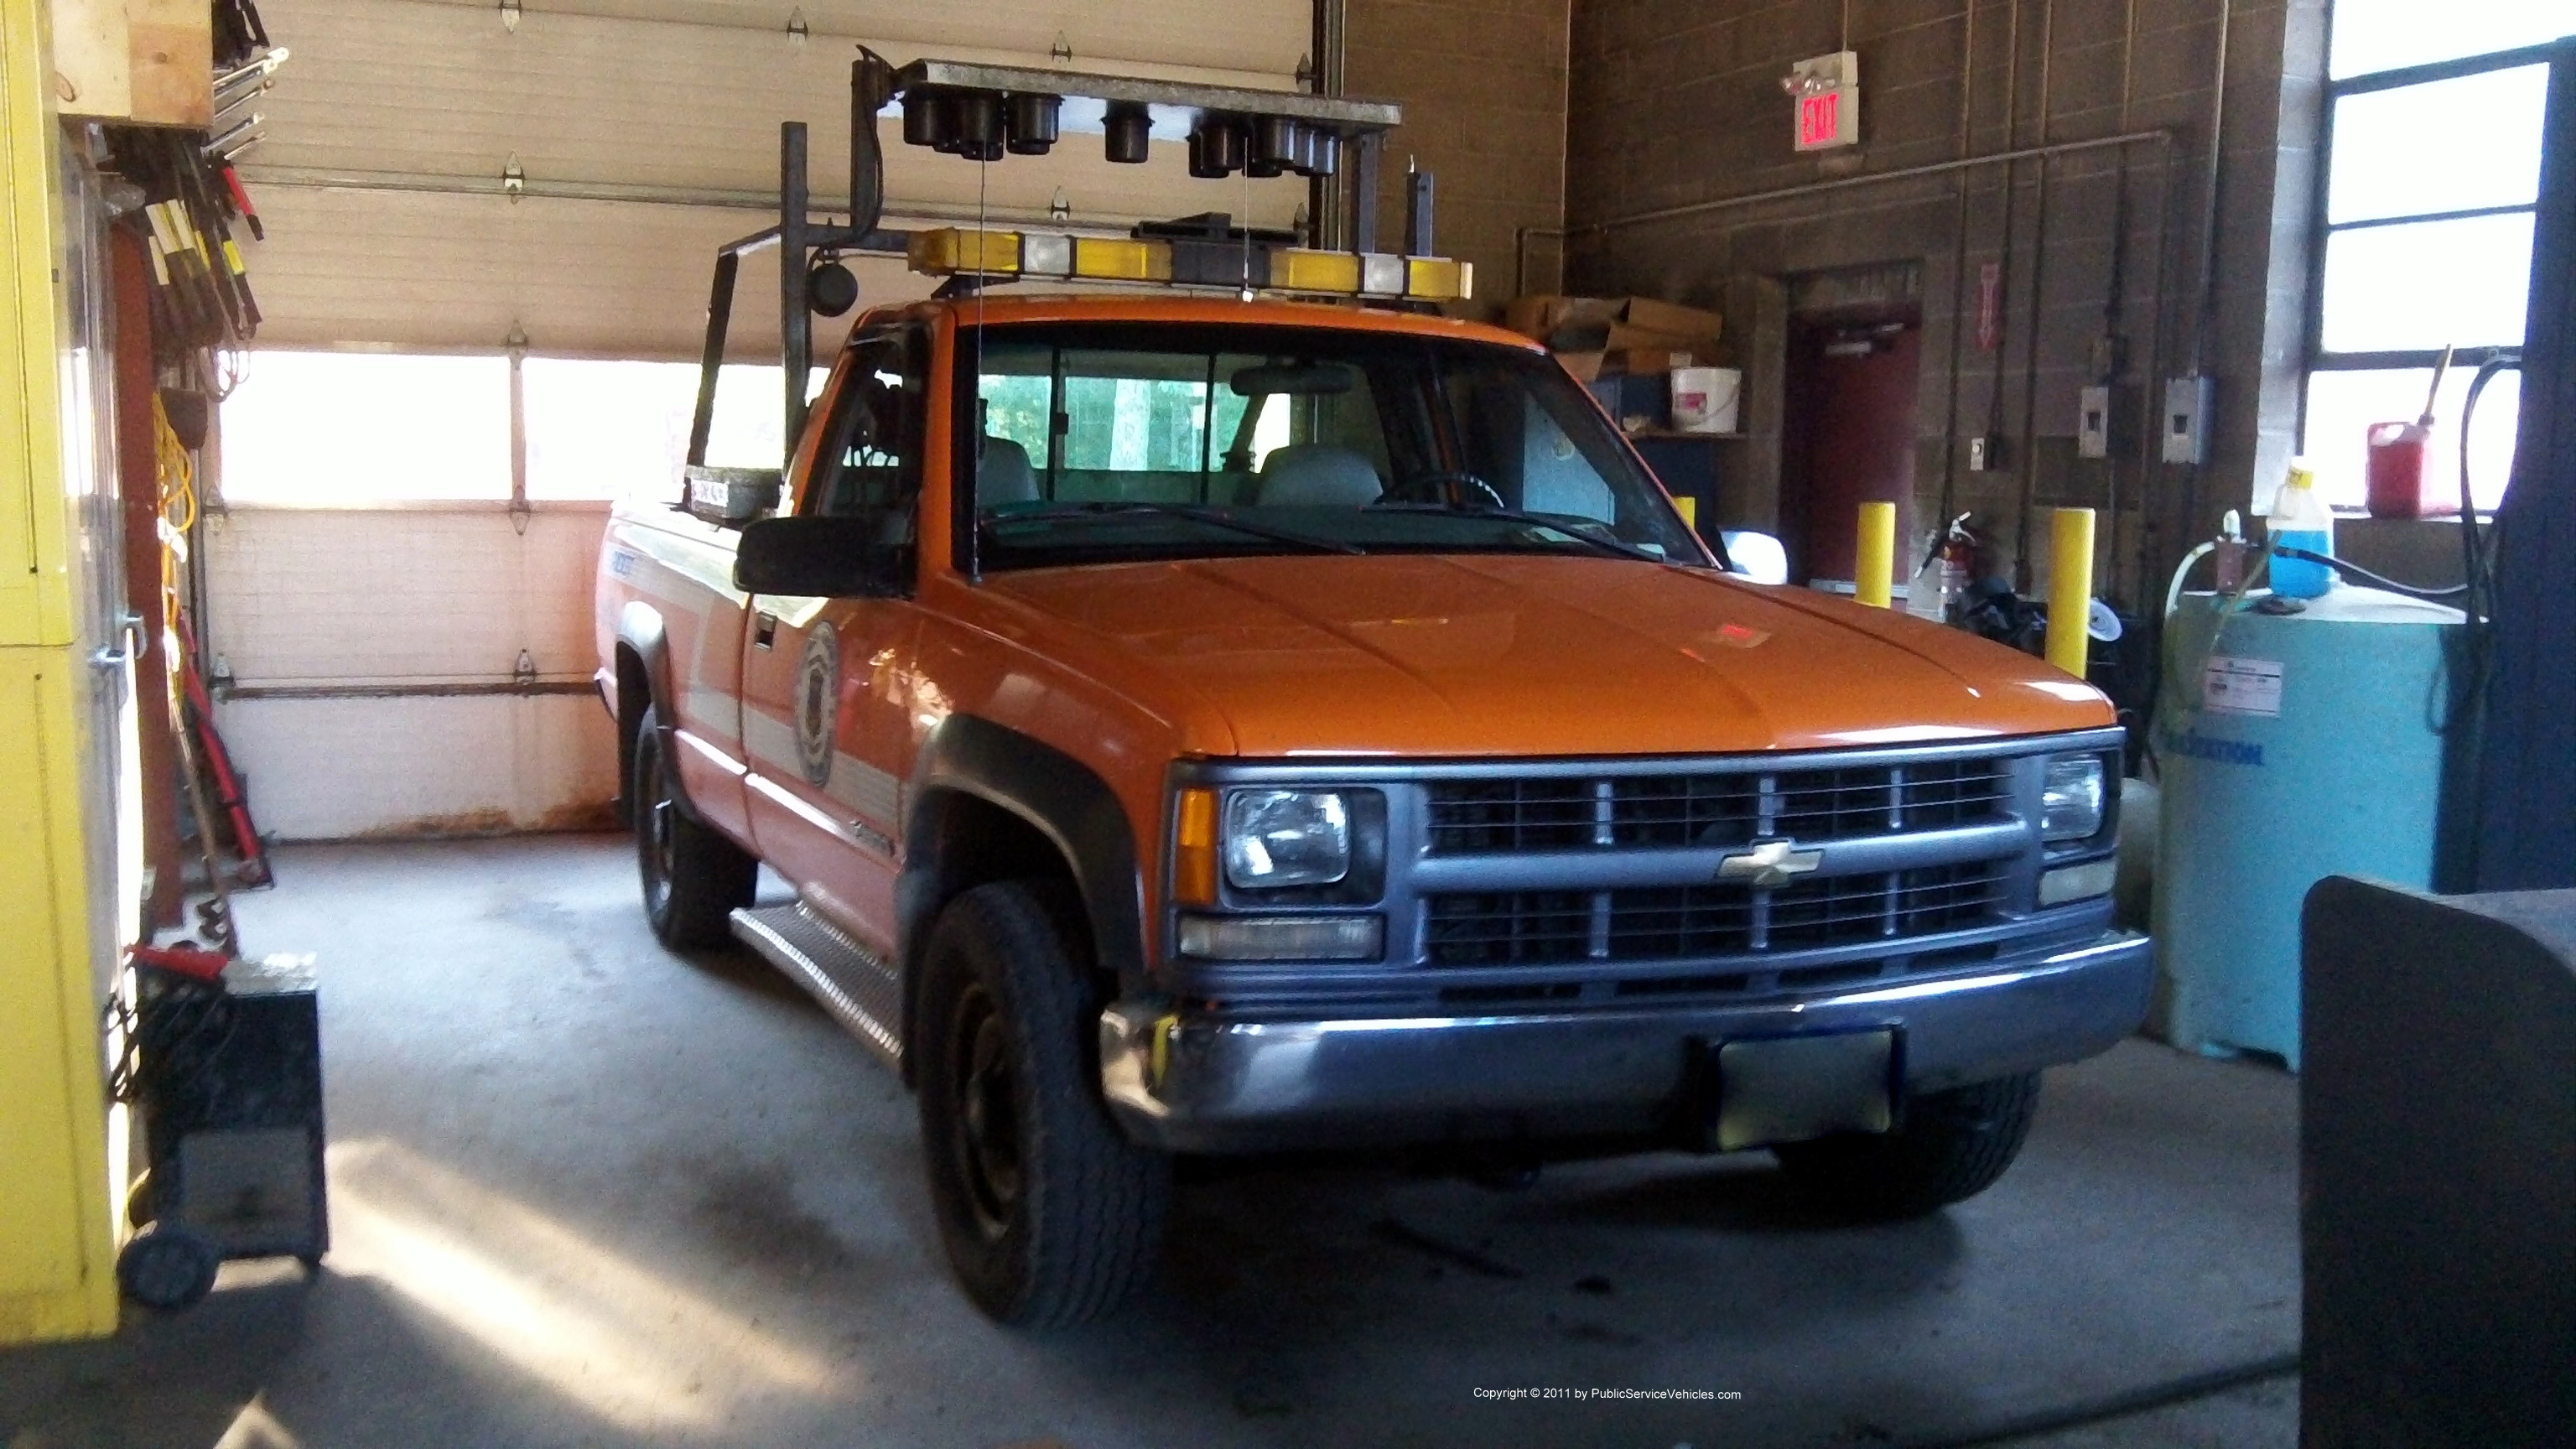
column 1260, row 266
column 1194, row 855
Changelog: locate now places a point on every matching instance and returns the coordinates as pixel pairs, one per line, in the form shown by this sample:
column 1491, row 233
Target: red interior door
column 1851, row 391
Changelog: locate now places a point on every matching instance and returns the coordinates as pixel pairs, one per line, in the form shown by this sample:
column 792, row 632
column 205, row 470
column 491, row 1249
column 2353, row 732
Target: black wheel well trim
column 1062, row 800
column 640, row 633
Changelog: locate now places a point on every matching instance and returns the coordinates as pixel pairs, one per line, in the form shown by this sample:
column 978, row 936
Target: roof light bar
column 980, row 112
column 1261, row 266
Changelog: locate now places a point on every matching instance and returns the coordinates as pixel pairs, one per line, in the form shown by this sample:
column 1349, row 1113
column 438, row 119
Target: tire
column 1951, row 1146
column 693, row 877
column 167, row 1267
column 1050, row 1216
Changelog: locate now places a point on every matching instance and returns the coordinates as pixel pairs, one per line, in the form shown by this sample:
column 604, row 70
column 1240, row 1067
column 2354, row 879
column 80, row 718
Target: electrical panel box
column 2186, row 419
column 2093, row 422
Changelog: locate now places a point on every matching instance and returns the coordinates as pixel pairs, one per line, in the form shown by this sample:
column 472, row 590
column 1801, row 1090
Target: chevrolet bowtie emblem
column 1770, row 864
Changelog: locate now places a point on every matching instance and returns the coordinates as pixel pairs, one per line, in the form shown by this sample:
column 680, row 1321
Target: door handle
column 764, row 629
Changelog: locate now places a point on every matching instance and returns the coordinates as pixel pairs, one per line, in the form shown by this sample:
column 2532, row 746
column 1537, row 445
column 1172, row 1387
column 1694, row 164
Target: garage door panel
column 578, row 278
column 1237, row 35
column 395, row 85
column 401, row 596
column 332, row 769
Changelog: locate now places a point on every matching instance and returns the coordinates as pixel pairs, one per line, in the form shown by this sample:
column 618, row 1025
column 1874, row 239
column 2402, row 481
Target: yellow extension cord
column 177, row 478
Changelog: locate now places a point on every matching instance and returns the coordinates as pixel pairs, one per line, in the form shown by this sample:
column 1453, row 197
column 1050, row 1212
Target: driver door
column 826, row 682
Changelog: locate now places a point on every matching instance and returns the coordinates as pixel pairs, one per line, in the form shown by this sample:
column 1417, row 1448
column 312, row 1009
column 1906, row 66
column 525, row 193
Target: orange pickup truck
column 1216, row 726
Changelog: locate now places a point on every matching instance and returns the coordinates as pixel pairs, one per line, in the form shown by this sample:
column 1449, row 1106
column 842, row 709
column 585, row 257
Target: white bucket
column 1705, row 399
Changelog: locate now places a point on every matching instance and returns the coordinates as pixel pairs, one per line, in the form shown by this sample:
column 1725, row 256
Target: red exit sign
column 1820, row 120
column 1826, row 92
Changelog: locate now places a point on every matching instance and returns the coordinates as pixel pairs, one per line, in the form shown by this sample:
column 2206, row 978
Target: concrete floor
column 586, row 1193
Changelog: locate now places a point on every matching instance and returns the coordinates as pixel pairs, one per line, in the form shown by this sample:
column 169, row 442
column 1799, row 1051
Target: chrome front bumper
column 1210, row 1083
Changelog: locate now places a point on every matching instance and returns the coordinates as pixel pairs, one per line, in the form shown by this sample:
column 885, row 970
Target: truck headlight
column 1280, row 838
column 2070, row 804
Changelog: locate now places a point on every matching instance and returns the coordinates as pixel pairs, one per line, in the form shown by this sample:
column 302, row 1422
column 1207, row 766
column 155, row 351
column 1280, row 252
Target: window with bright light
column 342, row 429
column 2371, row 36
column 2432, row 180
column 351, row 429
column 620, row 430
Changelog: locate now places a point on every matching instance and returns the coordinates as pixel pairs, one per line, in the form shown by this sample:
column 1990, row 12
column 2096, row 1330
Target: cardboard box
column 1541, row 314
column 1654, row 316
column 1598, row 336
column 1625, row 337
column 1582, row 331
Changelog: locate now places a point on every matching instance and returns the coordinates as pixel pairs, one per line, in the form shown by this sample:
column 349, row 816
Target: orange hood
column 1518, row 655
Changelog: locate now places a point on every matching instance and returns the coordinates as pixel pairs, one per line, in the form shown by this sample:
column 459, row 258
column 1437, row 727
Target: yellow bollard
column 1874, row 573
column 1689, row 508
column 2070, row 590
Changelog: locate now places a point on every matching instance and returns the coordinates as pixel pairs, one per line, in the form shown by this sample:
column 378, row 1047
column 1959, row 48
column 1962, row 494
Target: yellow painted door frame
column 57, row 1219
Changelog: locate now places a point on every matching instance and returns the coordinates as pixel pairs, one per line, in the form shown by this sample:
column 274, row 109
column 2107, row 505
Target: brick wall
column 1483, row 84
column 1678, row 102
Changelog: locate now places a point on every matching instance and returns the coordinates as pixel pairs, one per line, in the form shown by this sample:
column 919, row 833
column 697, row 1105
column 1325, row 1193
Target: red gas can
column 2396, row 473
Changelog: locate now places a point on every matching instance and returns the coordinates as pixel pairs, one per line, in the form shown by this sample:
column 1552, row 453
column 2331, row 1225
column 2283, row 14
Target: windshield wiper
column 1576, row 532
column 1194, row 512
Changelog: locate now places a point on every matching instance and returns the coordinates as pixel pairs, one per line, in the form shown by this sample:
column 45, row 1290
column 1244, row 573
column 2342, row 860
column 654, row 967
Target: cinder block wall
column 1483, row 84
column 1678, row 102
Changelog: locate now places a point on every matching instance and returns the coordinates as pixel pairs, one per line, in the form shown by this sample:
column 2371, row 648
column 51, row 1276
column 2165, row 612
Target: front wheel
column 1050, row 1216
column 1952, row 1146
column 693, row 877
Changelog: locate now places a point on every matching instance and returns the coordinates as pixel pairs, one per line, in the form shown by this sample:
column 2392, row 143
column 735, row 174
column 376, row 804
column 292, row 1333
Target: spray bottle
column 2301, row 520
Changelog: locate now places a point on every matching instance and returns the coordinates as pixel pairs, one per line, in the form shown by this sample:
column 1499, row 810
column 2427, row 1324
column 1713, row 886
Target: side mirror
column 732, row 497
column 1756, row 556
column 821, row 558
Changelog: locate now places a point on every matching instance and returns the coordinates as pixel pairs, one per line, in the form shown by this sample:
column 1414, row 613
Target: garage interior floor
column 587, row 1193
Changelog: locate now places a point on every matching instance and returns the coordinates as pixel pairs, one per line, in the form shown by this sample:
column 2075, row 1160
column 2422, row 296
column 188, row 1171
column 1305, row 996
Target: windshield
column 1115, row 442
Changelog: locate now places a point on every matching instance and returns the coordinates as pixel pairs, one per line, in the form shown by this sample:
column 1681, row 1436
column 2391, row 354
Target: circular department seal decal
column 818, row 703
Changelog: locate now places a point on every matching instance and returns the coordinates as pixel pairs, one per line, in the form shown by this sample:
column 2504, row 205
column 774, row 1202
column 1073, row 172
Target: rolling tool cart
column 224, row 1068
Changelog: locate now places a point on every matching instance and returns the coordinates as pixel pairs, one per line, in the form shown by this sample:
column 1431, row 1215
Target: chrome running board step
column 853, row 985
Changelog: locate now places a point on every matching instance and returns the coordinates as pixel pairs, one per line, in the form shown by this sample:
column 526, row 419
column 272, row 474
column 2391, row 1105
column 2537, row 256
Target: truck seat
column 1003, row 474
column 1313, row 474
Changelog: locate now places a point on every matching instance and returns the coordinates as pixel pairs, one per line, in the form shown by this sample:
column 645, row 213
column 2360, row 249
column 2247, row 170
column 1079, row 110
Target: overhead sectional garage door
column 428, row 107
column 542, row 188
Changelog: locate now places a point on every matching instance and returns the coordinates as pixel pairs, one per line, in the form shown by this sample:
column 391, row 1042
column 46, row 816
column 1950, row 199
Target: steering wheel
column 1442, row 487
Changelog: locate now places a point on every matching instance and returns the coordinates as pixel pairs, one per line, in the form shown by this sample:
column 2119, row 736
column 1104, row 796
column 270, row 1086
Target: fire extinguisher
column 1942, row 582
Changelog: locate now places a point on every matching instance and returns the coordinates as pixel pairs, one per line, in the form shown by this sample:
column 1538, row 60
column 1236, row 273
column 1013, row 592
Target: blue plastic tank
column 2291, row 747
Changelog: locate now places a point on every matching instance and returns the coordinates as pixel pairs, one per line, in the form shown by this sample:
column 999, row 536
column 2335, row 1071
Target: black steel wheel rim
column 984, row 1097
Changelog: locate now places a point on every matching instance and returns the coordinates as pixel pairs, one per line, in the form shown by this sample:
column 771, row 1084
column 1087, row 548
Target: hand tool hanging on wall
column 239, row 35
column 241, row 199
column 192, row 197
